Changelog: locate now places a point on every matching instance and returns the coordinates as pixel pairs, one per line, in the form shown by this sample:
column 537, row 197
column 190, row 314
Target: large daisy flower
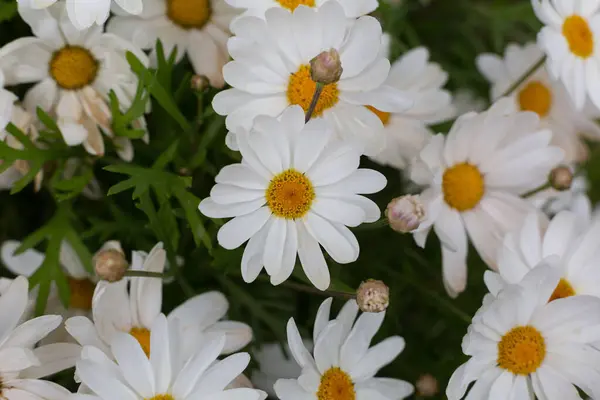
column 407, row 132
column 571, row 40
column 162, row 372
column 271, row 71
column 540, row 94
column 352, row 8
column 21, row 362
column 198, row 28
column 83, row 14
column 74, row 72
column 343, row 365
column 293, row 190
column 131, row 305
column 475, row 175
column 524, row 347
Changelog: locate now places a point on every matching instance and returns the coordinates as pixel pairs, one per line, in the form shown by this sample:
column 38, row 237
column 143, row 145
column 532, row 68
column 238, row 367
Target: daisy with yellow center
column 524, row 347
column 198, row 28
column 131, row 306
column 257, row 8
column 343, row 364
column 267, row 76
column 295, row 189
column 474, row 176
column 570, row 38
column 541, row 95
column 73, row 72
column 167, row 374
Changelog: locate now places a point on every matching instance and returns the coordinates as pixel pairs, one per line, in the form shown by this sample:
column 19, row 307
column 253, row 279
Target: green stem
column 541, row 188
column 523, row 77
column 309, row 289
column 144, row 274
column 315, row 100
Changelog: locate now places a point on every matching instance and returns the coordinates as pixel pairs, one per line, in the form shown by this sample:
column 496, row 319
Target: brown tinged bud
column 199, row 83
column 427, row 386
column 405, row 213
column 373, row 296
column 561, row 178
column 110, row 265
column 326, row 68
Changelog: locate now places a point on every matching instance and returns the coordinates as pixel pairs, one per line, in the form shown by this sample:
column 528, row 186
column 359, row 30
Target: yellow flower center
column 579, row 36
column 82, row 291
column 463, row 186
column 536, row 97
column 562, row 290
column 292, row 4
column 522, row 350
column 336, row 385
column 73, row 67
column 383, row 116
column 161, row 397
column 189, row 14
column 301, row 89
column 290, row 194
column 142, row 335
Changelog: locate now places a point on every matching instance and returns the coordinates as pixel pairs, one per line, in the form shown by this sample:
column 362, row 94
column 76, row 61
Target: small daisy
column 571, row 246
column 294, row 190
column 343, row 365
column 523, row 346
column 257, row 8
column 571, row 40
column 83, row 14
column 271, row 71
column 475, row 175
column 74, row 72
column 408, row 132
column 198, row 28
column 540, row 94
column 131, row 305
column 167, row 374
column 21, row 363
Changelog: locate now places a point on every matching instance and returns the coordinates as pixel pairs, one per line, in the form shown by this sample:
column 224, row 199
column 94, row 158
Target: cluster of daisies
column 310, row 91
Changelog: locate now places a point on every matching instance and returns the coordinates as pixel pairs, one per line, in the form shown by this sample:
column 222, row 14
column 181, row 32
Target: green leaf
column 47, row 120
column 189, row 203
column 167, row 224
column 8, row 10
column 167, row 156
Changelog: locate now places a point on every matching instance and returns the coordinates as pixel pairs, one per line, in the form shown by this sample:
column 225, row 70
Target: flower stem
column 309, row 289
column 315, row 100
column 523, row 77
column 144, row 274
column 538, row 189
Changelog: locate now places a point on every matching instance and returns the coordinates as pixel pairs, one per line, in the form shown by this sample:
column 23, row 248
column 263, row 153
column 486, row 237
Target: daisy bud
column 110, row 265
column 561, row 178
column 405, row 213
column 427, row 386
column 326, row 68
column 373, row 296
column 199, row 83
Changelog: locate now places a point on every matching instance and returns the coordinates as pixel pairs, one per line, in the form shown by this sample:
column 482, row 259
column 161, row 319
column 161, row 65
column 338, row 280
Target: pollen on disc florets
column 82, row 291
column 579, row 36
column 301, row 89
column 142, row 335
column 521, row 350
column 463, row 186
column 383, row 115
column 290, row 194
column 336, row 385
column 73, row 67
column 562, row 290
column 165, row 396
column 292, row 4
column 189, row 14
column 536, row 97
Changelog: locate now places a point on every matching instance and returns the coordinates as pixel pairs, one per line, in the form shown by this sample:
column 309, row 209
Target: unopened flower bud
column 427, row 386
column 373, row 296
column 326, row 68
column 405, row 213
column 199, row 83
column 110, row 265
column 561, row 178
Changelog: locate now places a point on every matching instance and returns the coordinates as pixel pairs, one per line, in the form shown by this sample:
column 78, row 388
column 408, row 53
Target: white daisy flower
column 465, row 101
column 21, row 362
column 257, row 8
column 523, row 347
column 539, row 94
column 571, row 40
column 271, row 71
column 83, row 14
column 475, row 175
column 74, row 72
column 344, row 364
column 293, row 190
column 131, row 305
column 166, row 374
column 571, row 246
column 408, row 132
column 198, row 28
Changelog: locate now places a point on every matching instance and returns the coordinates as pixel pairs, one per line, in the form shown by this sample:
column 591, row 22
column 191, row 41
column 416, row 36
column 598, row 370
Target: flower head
column 405, row 213
column 352, row 8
